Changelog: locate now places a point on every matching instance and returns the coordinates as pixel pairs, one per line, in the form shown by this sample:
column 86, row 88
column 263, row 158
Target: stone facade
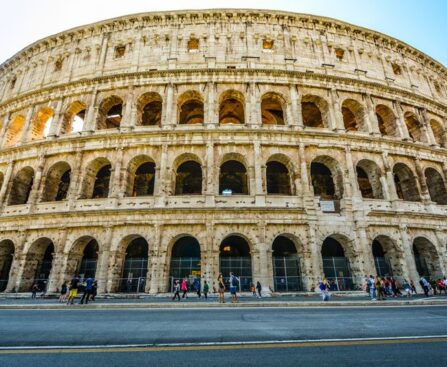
column 330, row 137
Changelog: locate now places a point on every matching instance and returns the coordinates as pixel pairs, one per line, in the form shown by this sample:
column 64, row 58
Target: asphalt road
column 382, row 336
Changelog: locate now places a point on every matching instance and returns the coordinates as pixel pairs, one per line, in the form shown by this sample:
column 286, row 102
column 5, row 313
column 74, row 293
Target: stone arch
column 232, row 107
column 190, row 108
column 438, row 132
column 406, row 183
column 414, row 127
column 110, row 113
column 388, row 258
column 188, row 178
column 426, row 257
column 57, row 182
column 97, row 179
column 368, row 178
column 436, row 186
column 235, row 256
column 233, row 176
column 135, row 269
column 286, row 264
column 353, row 115
column 149, row 109
column 315, row 111
column 387, row 121
column 21, row 186
column 185, row 259
column 278, row 178
column 141, row 176
column 327, row 178
column 83, row 257
column 41, row 123
column 74, row 118
column 273, row 107
column 39, row 262
column 338, row 257
column 14, row 131
column 7, row 250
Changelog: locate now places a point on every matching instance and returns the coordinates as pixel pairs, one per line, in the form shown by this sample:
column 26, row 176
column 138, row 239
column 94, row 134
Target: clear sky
column 420, row 23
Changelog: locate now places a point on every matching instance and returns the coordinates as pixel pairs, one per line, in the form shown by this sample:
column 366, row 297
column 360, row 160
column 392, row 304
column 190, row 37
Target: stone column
column 401, row 125
column 422, row 182
column 15, row 283
column 162, row 192
column 117, row 175
column 303, row 171
column 258, row 187
column 169, row 108
column 335, row 115
column 33, row 196
column 4, row 128
column 128, row 122
column 154, row 285
column 296, row 116
column 313, row 258
column 410, row 271
column 366, row 258
column 92, row 113
column 7, row 182
column 265, row 274
column 253, row 107
column 210, row 189
column 57, row 119
column 26, row 127
column 371, row 118
column 391, row 187
column 103, row 53
column 75, row 180
column 427, row 130
column 352, row 185
column 136, row 53
column 102, row 266
column 211, row 114
column 57, row 276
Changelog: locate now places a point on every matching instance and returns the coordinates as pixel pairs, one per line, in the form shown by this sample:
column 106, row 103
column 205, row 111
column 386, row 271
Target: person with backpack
column 197, row 287
column 259, row 288
column 206, row 289
column 372, row 288
column 176, row 291
column 234, row 285
column 87, row 291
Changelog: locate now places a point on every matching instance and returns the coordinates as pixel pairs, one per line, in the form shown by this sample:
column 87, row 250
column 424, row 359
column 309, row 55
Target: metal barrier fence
column 287, row 284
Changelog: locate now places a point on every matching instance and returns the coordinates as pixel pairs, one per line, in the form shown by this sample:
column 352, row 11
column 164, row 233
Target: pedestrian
column 407, row 288
column 253, row 289
column 176, row 290
column 379, row 288
column 372, row 288
column 413, row 287
column 34, row 290
column 425, row 286
column 197, row 287
column 94, row 290
column 63, row 294
column 441, row 286
column 221, row 287
column 206, row 289
column 184, row 288
column 324, row 289
column 395, row 287
column 259, row 288
column 74, row 284
column 87, row 290
column 234, row 285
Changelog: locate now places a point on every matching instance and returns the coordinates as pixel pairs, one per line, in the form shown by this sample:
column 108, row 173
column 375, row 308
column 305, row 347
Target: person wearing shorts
column 221, row 286
column 73, row 289
column 234, row 283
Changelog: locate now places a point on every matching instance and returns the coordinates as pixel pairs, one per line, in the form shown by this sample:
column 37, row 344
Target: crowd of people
column 69, row 290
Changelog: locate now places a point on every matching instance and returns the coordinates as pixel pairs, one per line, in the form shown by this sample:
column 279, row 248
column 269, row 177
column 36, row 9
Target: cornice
column 134, row 78
column 263, row 16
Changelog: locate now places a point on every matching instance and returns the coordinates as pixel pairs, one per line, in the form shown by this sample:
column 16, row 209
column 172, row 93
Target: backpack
column 234, row 281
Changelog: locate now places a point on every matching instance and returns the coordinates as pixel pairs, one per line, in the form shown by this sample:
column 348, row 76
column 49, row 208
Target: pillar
column 102, row 265
column 426, row 128
column 410, row 272
column 4, row 127
column 296, row 116
column 422, row 181
column 371, row 118
column 57, row 119
column 335, row 115
column 169, row 111
column 211, row 112
column 258, row 179
column 128, row 122
column 117, row 175
column 6, row 183
column 389, row 177
column 26, row 127
column 92, row 113
column 33, row 196
column 401, row 125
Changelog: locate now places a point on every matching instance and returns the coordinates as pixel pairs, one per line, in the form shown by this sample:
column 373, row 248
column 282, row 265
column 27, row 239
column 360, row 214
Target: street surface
column 379, row 336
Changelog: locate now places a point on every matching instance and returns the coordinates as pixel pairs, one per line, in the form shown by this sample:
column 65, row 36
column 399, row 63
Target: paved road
column 77, row 327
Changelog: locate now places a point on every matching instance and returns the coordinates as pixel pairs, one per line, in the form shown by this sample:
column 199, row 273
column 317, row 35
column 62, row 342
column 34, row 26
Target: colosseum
column 283, row 147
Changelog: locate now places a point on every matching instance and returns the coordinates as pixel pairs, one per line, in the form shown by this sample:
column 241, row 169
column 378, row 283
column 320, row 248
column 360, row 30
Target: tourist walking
column 253, row 289
column 395, row 287
column 324, row 289
column 74, row 283
column 206, row 289
column 87, row 291
column 413, row 287
column 94, row 290
column 259, row 288
column 234, row 285
column 34, row 290
column 176, row 291
column 221, row 288
column 372, row 288
column 63, row 294
column 197, row 287
column 184, row 288
column 407, row 288
column 425, row 286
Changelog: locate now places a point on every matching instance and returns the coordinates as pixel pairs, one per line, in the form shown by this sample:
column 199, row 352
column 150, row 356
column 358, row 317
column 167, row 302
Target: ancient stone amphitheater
column 283, row 147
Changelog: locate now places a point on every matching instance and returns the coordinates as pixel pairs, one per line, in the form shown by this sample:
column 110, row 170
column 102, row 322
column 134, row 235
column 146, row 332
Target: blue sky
column 421, row 24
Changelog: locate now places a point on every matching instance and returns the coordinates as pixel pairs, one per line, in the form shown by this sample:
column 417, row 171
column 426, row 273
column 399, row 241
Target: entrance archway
column 87, row 267
column 382, row 263
column 235, row 257
column 426, row 258
column 286, row 266
column 336, row 265
column 185, row 260
column 39, row 261
column 387, row 257
column 135, row 266
column 6, row 257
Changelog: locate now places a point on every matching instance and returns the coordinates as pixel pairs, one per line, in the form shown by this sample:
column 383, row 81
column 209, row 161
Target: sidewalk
column 350, row 299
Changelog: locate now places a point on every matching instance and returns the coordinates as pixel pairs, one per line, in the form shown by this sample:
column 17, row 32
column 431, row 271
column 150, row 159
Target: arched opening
column 149, row 109
column 436, row 186
column 83, row 258
column 190, row 107
column 233, row 178
column 14, row 132
column 413, row 127
column 57, row 182
column 406, row 183
column 6, row 258
column 368, row 179
column 188, row 180
column 387, row 257
column 39, row 262
column 272, row 109
column 135, row 266
column 426, row 258
column 110, row 113
column 278, row 179
column 144, row 180
column 235, row 257
column 383, row 266
column 438, row 132
column 41, row 123
column 74, row 118
column 185, row 260
column 97, row 179
column 286, row 266
column 336, row 267
column 231, row 108
column 21, row 186
column 326, row 178
column 353, row 115
column 386, row 120
column 314, row 110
